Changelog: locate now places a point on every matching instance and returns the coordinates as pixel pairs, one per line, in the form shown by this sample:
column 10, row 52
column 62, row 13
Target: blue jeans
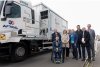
column 75, row 52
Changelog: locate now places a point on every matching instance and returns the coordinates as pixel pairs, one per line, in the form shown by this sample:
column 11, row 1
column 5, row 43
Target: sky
column 76, row 12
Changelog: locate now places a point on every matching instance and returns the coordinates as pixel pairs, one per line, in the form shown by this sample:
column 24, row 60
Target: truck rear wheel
column 19, row 52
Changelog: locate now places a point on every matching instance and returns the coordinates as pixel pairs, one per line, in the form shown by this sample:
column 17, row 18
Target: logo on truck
column 10, row 25
column 11, row 22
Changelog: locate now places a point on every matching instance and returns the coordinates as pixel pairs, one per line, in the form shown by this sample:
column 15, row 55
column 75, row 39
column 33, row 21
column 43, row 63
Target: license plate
column 2, row 37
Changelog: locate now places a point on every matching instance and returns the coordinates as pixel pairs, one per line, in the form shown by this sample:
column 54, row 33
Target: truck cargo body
column 49, row 20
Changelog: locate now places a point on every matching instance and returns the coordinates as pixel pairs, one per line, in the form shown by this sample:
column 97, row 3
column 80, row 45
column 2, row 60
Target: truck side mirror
column 8, row 10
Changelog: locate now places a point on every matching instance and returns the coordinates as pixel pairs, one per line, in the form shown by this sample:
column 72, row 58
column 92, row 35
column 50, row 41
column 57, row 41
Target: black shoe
column 67, row 56
column 63, row 61
column 83, row 59
column 73, row 58
column 79, row 57
column 93, row 59
column 76, row 58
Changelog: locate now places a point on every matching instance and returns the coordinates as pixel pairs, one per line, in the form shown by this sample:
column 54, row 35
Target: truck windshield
column 1, row 4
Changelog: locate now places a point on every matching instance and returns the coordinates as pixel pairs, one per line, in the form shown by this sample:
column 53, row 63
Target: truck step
column 3, row 55
column 47, row 43
column 4, row 47
column 41, row 50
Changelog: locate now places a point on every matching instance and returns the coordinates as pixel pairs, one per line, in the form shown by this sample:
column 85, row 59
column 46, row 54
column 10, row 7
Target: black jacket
column 86, row 38
column 79, row 33
column 54, row 37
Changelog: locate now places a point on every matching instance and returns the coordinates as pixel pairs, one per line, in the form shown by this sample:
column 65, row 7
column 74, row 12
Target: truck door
column 44, row 23
column 27, row 17
column 31, row 26
column 12, row 12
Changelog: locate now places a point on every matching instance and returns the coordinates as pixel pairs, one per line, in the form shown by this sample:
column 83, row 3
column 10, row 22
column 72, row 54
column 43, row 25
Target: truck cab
column 17, row 18
column 16, row 22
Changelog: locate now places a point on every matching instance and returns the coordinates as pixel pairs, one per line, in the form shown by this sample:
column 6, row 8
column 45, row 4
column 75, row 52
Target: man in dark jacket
column 92, row 41
column 85, row 44
column 79, row 33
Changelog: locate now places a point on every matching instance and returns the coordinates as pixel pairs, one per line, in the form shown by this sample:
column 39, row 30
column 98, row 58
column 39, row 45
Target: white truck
column 25, row 30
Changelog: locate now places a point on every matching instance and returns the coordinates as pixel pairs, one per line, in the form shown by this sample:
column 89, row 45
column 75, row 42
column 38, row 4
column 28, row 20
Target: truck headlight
column 2, row 37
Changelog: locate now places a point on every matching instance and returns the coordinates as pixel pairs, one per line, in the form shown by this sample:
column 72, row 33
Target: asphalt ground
column 43, row 59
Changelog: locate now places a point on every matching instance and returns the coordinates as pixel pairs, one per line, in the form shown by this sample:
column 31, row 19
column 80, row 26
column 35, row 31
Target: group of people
column 78, row 41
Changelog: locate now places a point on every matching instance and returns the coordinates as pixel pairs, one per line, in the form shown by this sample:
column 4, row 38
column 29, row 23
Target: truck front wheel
column 19, row 52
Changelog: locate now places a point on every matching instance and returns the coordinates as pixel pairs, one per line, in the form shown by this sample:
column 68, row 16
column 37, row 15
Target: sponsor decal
column 10, row 25
column 11, row 22
column 2, row 37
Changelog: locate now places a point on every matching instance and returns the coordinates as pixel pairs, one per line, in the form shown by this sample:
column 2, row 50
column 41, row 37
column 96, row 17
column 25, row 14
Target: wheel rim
column 20, row 51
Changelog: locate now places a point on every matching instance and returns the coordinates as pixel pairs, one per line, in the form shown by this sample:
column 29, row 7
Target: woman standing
column 65, row 44
column 73, row 42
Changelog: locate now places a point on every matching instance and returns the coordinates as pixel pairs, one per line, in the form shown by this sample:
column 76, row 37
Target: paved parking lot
column 43, row 60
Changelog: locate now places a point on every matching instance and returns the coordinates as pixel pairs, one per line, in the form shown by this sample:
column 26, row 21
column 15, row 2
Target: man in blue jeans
column 79, row 33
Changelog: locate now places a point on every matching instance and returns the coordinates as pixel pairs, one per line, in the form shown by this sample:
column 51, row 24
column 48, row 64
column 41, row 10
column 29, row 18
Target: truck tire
column 19, row 52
